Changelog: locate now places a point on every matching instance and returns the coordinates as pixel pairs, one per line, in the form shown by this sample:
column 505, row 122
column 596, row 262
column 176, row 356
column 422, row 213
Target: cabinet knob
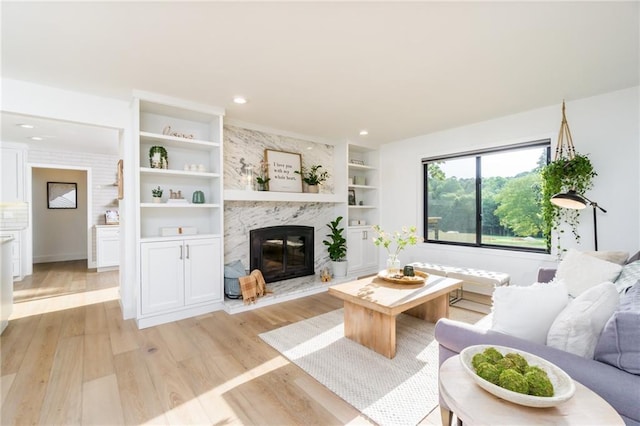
column 180, row 252
column 187, row 251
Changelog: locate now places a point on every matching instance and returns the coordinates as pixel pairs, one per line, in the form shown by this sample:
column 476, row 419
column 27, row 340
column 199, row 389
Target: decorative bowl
column 399, row 278
column 563, row 385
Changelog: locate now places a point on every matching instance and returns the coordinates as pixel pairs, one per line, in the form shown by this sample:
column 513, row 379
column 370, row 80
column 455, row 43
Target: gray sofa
column 618, row 387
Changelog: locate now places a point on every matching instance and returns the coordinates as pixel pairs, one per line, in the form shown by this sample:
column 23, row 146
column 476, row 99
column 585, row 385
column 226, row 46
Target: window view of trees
column 487, row 199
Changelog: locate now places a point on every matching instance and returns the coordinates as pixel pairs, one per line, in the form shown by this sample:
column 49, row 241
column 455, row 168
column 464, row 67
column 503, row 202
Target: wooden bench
column 473, row 280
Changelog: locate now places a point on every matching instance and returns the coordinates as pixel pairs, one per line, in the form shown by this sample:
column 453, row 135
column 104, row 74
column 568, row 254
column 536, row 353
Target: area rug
column 398, row 391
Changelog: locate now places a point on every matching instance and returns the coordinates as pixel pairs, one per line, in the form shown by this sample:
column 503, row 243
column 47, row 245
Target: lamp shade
column 569, row 200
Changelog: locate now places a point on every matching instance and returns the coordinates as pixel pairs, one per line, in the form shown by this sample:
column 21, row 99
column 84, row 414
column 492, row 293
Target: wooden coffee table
column 372, row 304
column 473, row 405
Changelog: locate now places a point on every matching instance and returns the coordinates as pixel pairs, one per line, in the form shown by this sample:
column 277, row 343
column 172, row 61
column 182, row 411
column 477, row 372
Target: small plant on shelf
column 158, row 158
column 262, row 179
column 313, row 175
column 156, row 192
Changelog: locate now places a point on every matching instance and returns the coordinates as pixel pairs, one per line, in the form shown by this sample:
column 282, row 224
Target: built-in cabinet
column 12, row 185
column 363, row 208
column 179, row 236
column 362, row 254
column 177, row 274
column 16, row 251
column 6, row 283
column 107, row 246
column 13, row 210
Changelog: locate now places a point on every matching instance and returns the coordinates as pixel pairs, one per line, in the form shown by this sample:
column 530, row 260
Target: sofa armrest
column 610, row 383
column 545, row 275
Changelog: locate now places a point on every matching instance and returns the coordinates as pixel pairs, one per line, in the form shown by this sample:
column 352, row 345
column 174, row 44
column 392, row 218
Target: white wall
column 604, row 127
column 58, row 234
column 42, row 101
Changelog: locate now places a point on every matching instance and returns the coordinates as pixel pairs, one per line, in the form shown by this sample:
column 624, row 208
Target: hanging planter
column 567, row 171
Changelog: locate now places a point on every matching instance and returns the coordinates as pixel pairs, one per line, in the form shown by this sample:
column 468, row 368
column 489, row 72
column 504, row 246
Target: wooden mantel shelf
column 296, row 197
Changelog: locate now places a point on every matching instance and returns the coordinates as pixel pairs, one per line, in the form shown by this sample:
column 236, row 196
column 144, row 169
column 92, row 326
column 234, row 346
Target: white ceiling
column 330, row 69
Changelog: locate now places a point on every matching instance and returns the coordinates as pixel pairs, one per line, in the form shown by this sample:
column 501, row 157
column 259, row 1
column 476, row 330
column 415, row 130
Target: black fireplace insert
column 282, row 252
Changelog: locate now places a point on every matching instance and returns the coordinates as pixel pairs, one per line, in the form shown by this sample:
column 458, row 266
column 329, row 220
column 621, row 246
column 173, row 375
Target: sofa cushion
column 617, row 257
column 619, row 343
column 515, row 307
column 581, row 271
column 578, row 327
column 628, row 276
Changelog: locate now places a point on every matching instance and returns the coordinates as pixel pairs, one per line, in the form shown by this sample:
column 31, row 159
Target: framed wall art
column 352, row 197
column 112, row 217
column 281, row 170
column 62, row 195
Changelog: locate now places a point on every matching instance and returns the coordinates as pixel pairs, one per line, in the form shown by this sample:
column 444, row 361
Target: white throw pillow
column 528, row 312
column 581, row 271
column 578, row 327
column 618, row 257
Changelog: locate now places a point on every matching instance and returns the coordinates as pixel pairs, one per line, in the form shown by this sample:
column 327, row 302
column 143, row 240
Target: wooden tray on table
column 399, row 278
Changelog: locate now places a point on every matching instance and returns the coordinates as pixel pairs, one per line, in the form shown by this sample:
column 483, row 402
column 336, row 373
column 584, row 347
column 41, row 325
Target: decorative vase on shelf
column 158, row 158
column 157, row 199
column 311, row 189
column 393, row 264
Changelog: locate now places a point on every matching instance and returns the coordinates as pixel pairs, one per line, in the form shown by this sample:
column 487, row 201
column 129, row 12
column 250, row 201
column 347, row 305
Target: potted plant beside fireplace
column 337, row 248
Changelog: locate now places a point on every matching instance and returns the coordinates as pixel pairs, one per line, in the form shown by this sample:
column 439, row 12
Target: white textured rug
column 398, row 391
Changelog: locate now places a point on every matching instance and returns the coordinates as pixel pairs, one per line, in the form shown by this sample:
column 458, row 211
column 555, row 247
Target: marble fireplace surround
column 243, row 148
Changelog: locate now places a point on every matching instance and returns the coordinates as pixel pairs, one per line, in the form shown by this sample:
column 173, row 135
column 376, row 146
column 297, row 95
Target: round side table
column 473, row 405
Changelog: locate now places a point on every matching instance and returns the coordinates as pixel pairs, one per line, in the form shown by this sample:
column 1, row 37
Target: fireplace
column 282, row 252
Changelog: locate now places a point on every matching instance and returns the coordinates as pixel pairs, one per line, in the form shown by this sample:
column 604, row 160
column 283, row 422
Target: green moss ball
column 514, row 381
column 539, row 383
column 492, row 354
column 489, row 372
column 536, row 369
column 518, row 361
column 478, row 359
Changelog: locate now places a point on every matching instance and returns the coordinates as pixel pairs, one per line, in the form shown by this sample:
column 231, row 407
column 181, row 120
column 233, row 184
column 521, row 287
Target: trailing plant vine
column 561, row 175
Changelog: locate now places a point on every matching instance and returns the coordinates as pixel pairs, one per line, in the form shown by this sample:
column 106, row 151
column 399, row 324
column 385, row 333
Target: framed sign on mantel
column 282, row 167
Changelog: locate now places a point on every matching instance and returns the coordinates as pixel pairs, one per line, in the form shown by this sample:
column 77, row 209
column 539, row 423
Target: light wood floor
column 68, row 357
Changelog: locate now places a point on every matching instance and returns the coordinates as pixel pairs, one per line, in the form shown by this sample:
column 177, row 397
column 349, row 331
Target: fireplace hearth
column 282, row 252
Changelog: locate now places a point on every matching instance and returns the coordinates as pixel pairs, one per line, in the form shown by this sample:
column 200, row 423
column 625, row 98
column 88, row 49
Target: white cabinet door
column 162, row 278
column 108, row 247
column 362, row 254
column 12, row 175
column 202, row 270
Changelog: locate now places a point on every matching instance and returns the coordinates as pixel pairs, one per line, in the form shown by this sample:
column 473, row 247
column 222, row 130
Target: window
column 487, row 198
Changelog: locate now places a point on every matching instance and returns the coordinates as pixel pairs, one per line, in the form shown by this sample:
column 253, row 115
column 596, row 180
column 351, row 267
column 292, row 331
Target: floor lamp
column 572, row 200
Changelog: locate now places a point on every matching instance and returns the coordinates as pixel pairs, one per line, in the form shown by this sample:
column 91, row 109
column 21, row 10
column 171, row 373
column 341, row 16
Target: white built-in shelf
column 363, row 207
column 362, row 187
column 173, row 172
column 179, row 206
column 295, row 197
column 177, row 142
column 361, row 167
column 175, row 237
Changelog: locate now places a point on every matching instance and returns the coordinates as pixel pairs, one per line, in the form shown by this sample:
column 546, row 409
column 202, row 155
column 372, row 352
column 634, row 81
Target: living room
column 603, row 120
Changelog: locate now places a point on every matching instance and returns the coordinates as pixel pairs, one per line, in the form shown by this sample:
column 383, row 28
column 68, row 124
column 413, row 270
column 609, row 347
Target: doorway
column 60, row 234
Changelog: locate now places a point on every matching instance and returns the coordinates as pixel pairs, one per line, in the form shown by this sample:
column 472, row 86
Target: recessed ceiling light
column 26, row 126
column 240, row 100
column 364, row 132
column 36, row 138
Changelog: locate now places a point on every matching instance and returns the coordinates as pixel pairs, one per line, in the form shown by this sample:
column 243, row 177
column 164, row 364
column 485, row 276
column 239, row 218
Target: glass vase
column 393, row 264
